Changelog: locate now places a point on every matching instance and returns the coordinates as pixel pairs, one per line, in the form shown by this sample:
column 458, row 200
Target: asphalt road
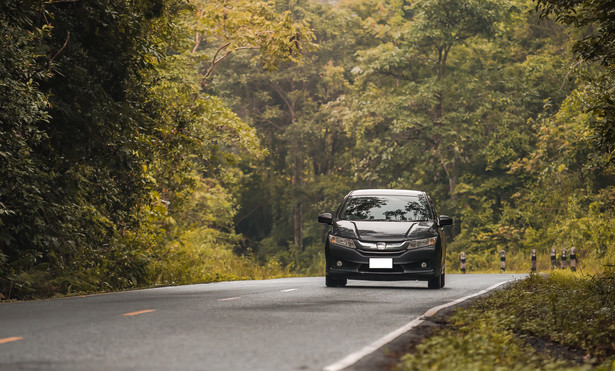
column 282, row 324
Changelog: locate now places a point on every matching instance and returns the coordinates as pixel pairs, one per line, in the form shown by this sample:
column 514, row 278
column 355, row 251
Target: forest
column 164, row 142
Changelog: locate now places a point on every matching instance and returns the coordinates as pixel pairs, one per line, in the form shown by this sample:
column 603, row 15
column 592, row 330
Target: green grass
column 563, row 321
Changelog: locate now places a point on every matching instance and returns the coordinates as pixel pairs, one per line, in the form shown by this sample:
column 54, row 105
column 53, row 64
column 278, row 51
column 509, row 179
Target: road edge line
column 355, row 357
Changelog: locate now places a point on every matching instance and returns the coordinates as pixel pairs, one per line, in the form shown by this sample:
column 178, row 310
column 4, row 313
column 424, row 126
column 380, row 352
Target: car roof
column 385, row 192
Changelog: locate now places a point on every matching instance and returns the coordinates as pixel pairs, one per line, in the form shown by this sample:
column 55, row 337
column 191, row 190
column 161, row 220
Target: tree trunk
column 452, row 183
column 297, row 231
column 452, row 178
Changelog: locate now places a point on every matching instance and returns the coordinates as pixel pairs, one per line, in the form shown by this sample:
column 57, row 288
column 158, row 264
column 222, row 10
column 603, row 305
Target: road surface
column 281, row 324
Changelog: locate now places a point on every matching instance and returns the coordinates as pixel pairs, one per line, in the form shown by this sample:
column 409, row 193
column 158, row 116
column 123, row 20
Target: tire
column 442, row 280
column 436, row 282
column 335, row 281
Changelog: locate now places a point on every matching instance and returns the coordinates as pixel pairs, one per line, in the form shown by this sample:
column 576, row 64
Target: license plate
column 381, row 263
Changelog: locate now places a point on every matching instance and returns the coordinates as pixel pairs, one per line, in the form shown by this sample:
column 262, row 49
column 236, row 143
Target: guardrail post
column 563, row 259
column 463, row 262
column 502, row 261
column 533, row 260
column 573, row 259
column 553, row 259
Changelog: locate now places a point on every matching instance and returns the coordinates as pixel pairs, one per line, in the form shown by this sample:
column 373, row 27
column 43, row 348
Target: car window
column 393, row 208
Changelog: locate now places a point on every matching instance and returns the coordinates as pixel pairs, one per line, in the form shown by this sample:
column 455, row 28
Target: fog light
column 423, row 265
column 339, row 263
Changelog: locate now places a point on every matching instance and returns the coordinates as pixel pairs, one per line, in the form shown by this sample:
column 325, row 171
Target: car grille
column 382, row 246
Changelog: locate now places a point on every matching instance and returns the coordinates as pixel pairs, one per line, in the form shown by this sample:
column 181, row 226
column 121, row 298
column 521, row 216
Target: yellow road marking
column 139, row 312
column 11, row 339
column 227, row 299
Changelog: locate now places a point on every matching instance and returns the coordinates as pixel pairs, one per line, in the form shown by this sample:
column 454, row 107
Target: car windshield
column 378, row 208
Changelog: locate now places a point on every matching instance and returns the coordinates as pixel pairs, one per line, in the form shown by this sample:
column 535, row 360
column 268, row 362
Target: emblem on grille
column 381, row 245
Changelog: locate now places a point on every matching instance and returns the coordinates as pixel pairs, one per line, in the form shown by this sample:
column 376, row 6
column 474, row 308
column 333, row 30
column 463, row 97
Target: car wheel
column 335, row 281
column 436, row 282
column 442, row 280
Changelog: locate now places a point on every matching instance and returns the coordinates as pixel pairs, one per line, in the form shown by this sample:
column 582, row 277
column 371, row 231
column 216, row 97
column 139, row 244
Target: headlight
column 421, row 243
column 346, row 242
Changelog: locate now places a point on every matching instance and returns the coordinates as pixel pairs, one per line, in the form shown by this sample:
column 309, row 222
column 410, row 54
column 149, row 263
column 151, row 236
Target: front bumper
column 406, row 264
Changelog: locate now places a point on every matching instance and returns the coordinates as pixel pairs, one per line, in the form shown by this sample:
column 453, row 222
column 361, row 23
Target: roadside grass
column 564, row 321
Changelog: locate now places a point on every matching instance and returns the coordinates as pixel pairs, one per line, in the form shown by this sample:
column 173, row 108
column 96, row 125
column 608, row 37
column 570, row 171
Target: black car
column 385, row 234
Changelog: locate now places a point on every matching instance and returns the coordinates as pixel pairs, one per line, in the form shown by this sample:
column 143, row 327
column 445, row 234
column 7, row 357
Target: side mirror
column 326, row 218
column 445, row 220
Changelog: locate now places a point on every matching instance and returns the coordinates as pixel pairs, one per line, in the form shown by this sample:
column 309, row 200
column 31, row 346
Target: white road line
column 289, row 290
column 353, row 358
column 227, row 299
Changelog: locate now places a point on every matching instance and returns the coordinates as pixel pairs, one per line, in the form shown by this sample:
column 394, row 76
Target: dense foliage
column 71, row 130
column 484, row 105
column 116, row 168
column 172, row 141
column 516, row 329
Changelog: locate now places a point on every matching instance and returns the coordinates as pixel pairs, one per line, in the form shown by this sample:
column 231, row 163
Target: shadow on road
column 359, row 286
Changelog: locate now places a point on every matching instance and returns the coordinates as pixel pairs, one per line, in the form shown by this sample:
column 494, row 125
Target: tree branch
column 274, row 125
column 59, row 51
column 214, row 61
column 291, row 106
column 197, row 42
column 48, row 67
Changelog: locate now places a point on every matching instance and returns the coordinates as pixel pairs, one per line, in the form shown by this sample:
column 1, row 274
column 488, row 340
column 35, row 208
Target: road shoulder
column 387, row 356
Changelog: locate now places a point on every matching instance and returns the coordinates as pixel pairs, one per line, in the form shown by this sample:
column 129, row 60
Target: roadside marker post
column 553, row 259
column 533, row 260
column 573, row 259
column 463, row 262
column 502, row 261
column 563, row 259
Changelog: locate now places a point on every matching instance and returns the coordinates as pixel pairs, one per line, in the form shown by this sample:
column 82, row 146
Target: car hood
column 384, row 231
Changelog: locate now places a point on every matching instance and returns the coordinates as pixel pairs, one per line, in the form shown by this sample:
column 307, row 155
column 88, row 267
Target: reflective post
column 463, row 262
column 563, row 259
column 573, row 259
column 533, row 260
column 502, row 261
